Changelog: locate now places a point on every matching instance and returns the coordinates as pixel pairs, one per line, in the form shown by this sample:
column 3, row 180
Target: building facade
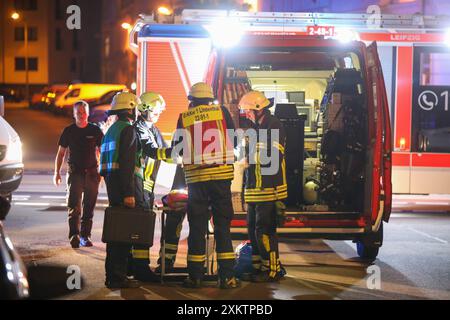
column 55, row 53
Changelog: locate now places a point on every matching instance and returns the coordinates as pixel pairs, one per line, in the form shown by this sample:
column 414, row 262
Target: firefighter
column 117, row 166
column 208, row 176
column 151, row 106
column 264, row 191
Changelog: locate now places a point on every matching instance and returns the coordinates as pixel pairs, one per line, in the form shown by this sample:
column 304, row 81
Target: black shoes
column 124, row 284
column 264, row 276
column 146, row 275
column 86, row 242
column 192, row 283
column 75, row 242
column 231, row 283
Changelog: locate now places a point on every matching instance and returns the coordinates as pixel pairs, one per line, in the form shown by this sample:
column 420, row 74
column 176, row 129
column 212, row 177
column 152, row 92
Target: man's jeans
column 82, row 192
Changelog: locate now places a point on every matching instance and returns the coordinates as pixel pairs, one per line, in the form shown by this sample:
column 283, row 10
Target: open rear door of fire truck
column 380, row 142
column 380, row 97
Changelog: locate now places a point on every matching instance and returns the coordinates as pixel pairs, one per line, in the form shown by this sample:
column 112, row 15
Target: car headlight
column 14, row 151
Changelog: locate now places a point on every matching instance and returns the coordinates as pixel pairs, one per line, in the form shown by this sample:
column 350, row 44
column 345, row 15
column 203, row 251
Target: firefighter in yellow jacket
column 265, row 186
column 208, row 158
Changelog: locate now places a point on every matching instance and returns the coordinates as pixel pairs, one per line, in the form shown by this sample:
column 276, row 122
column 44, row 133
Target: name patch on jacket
column 201, row 114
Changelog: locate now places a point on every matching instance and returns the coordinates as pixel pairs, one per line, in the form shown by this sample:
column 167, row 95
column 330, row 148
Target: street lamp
column 164, row 11
column 126, row 26
column 16, row 17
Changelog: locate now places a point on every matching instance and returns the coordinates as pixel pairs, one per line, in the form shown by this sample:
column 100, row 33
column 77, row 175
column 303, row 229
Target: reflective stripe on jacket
column 206, row 158
column 109, row 158
column 261, row 187
column 146, row 167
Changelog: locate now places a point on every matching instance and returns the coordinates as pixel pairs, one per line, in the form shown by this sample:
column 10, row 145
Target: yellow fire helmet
column 254, row 100
column 123, row 101
column 150, row 101
column 201, row 90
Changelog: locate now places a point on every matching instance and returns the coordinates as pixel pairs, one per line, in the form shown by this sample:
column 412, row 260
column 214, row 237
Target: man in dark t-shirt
column 82, row 141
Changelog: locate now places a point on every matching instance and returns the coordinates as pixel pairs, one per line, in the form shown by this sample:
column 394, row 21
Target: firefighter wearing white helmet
column 208, row 176
column 265, row 189
column 119, row 152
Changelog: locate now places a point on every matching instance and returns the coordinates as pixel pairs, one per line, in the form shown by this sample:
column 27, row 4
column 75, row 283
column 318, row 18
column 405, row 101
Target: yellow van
column 90, row 92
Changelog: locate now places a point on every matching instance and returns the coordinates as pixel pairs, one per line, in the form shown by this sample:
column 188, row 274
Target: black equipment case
column 129, row 226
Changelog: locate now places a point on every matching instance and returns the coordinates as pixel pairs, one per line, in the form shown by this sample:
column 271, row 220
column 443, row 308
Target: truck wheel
column 369, row 247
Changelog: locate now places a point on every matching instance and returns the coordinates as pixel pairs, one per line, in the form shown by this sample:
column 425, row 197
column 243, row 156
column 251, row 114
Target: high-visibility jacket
column 207, row 149
column 260, row 186
column 109, row 157
column 206, row 158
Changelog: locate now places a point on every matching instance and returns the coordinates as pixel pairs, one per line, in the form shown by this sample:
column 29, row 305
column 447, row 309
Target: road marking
column 31, row 204
column 53, row 197
column 20, row 198
column 432, row 203
column 427, row 235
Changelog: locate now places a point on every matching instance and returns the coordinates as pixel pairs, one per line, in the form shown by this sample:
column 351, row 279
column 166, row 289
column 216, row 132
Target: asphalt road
column 414, row 262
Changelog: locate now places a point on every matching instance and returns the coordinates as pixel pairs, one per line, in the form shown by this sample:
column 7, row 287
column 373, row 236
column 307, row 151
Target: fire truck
column 325, row 75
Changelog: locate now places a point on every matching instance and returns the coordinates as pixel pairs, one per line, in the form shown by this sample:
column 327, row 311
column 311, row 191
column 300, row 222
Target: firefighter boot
column 141, row 265
column 192, row 283
column 231, row 283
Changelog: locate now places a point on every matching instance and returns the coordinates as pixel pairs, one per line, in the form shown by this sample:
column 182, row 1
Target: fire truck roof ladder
column 304, row 19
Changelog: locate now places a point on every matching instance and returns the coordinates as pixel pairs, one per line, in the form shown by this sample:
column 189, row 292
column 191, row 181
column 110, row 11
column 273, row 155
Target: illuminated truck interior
column 325, row 88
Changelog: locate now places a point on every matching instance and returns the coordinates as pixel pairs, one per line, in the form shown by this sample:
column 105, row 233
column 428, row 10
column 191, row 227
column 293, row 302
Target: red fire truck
column 324, row 68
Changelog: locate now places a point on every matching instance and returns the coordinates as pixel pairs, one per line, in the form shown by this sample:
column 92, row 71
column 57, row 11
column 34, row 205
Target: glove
column 281, row 213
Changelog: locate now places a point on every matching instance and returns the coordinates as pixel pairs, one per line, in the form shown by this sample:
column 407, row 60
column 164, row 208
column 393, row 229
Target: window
column 20, row 64
column 58, row 40
column 30, row 5
column 435, row 69
column 75, row 93
column 431, row 99
column 19, row 34
column 32, row 64
column 32, row 34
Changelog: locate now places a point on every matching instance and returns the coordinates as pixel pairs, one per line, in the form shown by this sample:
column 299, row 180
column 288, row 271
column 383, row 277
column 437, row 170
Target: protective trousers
column 174, row 225
column 140, row 255
column 262, row 232
column 117, row 254
column 217, row 196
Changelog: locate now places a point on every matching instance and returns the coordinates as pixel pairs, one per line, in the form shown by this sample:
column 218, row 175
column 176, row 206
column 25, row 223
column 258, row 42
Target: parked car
column 97, row 112
column 10, row 95
column 44, row 99
column 11, row 165
column 85, row 91
column 13, row 275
